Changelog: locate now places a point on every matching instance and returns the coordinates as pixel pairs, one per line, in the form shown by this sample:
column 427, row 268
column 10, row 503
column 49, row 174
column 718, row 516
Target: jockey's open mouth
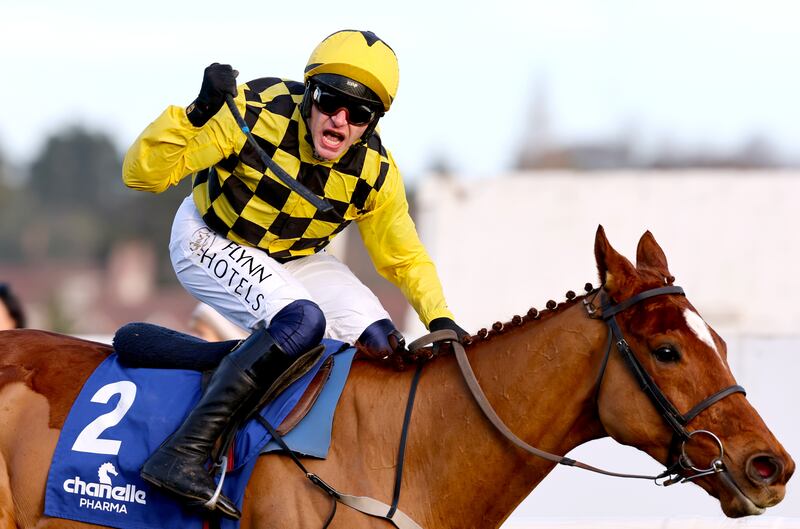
column 332, row 138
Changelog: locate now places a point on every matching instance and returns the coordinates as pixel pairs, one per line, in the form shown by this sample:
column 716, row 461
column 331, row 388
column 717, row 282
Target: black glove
column 440, row 324
column 218, row 81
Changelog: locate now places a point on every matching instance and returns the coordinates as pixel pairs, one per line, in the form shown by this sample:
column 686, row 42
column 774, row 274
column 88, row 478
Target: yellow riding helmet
column 361, row 56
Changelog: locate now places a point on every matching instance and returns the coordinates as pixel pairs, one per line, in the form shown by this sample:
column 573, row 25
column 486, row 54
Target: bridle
column 677, row 421
column 674, row 473
column 682, row 469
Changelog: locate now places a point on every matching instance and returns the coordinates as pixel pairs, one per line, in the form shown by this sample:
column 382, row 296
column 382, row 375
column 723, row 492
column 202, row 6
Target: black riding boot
column 251, row 374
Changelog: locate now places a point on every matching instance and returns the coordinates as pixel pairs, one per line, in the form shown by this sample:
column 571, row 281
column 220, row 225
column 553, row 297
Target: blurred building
column 96, row 297
column 516, row 242
column 92, row 298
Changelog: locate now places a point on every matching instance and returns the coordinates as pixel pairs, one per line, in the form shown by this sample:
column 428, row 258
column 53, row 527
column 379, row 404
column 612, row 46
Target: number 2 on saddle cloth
column 123, row 413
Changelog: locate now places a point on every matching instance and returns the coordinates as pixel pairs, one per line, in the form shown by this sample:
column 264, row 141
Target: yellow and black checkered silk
column 241, row 201
column 238, row 202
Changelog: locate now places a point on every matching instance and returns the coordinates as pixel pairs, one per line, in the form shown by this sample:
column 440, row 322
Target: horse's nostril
column 764, row 468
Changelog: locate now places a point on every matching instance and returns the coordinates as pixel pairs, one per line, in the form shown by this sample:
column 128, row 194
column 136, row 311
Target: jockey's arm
column 171, row 148
column 392, row 242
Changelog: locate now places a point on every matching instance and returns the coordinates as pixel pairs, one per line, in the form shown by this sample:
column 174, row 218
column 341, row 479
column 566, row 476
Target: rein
column 497, row 422
column 677, row 421
column 366, row 505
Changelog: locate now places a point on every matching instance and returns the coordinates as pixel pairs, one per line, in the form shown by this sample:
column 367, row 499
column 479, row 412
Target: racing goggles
column 329, row 103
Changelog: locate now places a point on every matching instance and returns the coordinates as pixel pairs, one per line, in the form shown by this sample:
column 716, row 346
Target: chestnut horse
column 541, row 373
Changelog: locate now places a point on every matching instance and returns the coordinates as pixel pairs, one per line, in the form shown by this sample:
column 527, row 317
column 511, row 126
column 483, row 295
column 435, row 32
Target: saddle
column 148, row 345
column 146, row 405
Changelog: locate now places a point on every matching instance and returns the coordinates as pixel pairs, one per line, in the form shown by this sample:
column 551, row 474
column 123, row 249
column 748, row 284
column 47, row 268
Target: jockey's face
column 333, row 134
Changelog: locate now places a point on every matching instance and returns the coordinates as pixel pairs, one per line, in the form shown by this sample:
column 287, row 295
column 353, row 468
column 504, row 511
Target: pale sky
column 710, row 73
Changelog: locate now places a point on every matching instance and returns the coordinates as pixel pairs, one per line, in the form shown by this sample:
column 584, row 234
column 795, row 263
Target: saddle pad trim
column 80, row 479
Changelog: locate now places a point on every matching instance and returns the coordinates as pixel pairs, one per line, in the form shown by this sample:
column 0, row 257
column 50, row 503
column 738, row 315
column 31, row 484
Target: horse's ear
column 650, row 256
column 617, row 274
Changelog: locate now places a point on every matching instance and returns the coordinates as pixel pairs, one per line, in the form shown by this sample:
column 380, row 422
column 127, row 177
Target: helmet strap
column 305, row 104
column 371, row 127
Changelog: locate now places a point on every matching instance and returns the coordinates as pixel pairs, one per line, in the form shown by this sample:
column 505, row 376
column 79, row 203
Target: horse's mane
column 517, row 322
column 532, row 316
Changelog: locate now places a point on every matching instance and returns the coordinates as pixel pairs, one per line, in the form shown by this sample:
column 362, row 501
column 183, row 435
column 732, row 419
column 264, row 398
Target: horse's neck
column 540, row 379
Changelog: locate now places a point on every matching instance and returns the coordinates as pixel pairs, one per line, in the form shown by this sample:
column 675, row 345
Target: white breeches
column 248, row 287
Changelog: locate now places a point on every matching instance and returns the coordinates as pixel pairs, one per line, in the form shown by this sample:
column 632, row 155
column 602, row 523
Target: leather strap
column 610, row 310
column 293, row 184
column 488, row 411
column 401, row 452
column 366, row 505
column 669, row 413
column 378, row 509
column 673, row 418
column 707, row 402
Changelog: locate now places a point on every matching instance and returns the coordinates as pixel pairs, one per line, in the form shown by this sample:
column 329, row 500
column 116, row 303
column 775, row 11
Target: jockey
column 254, row 250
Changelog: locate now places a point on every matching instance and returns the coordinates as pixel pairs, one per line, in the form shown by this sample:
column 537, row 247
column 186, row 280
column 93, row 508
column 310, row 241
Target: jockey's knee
column 381, row 339
column 298, row 327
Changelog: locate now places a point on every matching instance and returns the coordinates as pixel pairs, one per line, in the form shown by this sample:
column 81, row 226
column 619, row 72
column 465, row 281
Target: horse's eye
column 667, row 353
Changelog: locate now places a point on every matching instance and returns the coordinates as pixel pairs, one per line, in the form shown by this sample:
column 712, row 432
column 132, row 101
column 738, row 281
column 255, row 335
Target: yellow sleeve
column 171, row 148
column 392, row 242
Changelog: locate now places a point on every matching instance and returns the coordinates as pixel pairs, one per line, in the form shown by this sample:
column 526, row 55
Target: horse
column 551, row 375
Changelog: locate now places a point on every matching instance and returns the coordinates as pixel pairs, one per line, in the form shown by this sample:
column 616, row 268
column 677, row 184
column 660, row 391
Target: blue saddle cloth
column 123, row 414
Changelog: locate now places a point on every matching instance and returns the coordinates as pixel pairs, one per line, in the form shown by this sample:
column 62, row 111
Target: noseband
column 677, row 421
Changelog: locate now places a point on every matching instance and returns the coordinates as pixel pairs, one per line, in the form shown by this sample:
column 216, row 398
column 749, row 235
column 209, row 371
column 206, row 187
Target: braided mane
column 533, row 314
column 427, row 353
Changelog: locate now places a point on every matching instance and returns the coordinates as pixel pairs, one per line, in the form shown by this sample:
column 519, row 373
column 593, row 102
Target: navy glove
column 219, row 80
column 440, row 324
